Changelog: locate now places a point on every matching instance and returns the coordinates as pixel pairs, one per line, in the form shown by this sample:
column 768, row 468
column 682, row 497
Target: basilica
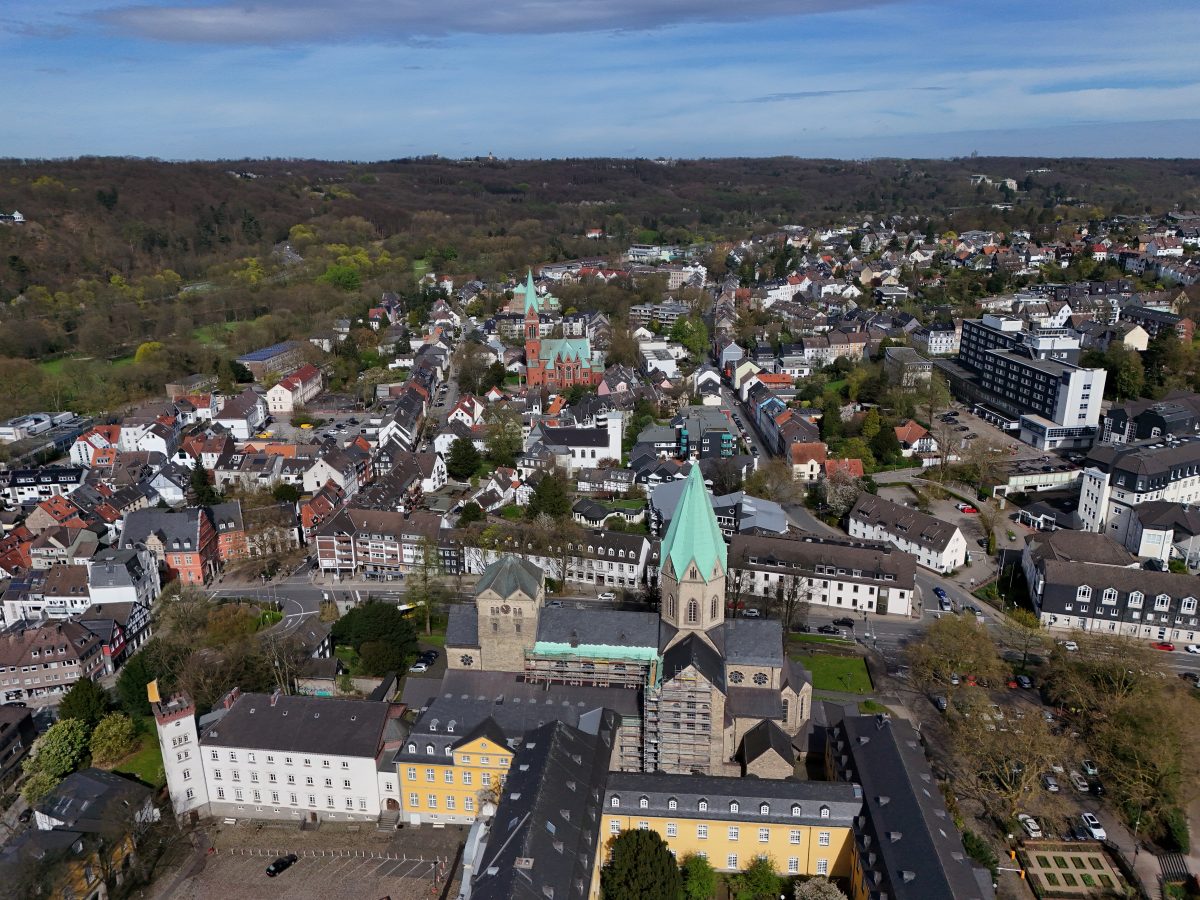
column 696, row 693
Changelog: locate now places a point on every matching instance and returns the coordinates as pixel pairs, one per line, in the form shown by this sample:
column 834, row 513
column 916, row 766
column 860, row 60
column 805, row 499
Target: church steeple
column 694, row 561
column 531, row 297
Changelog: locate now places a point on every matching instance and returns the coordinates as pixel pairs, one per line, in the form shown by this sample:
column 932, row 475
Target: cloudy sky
column 376, row 79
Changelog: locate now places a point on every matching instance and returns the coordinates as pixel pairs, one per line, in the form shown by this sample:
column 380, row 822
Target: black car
column 281, row 865
column 1096, row 786
column 26, row 815
column 844, row 621
column 829, row 629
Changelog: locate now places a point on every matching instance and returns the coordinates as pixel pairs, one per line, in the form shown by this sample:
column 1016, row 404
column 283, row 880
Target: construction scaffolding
column 678, row 729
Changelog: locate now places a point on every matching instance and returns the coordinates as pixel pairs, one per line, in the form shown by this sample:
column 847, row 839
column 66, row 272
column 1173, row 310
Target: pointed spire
column 694, row 535
column 531, row 297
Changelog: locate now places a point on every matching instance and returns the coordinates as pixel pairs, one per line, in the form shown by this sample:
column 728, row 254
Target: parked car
column 967, row 508
column 1192, row 648
column 945, row 606
column 954, row 678
column 1031, row 826
column 830, row 629
column 1078, row 782
column 751, row 614
column 940, row 593
column 939, row 700
column 282, row 864
column 1096, row 786
column 1025, row 681
column 1163, row 645
column 419, row 666
column 554, row 604
column 1089, row 768
column 1050, row 783
column 431, row 654
column 607, row 595
column 1070, row 646
column 26, row 815
column 844, row 621
column 1093, row 827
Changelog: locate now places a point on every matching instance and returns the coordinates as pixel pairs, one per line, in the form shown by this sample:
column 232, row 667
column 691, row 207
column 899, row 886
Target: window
column 213, row 755
column 643, row 826
column 1109, row 595
column 449, row 802
column 702, row 805
column 794, row 836
column 672, row 829
column 190, row 793
column 291, row 779
column 232, row 756
column 702, row 832
column 274, row 796
column 486, row 779
column 431, row 801
column 614, row 826
column 271, row 777
column 795, row 809
column 731, row 861
column 1135, row 600
column 216, row 774
column 254, row 777
column 822, row 867
column 672, row 803
column 693, row 612
column 822, row 838
column 448, row 778
column 733, row 832
column 1188, row 606
column 764, row 809
column 293, row 799
column 469, row 804
column 220, row 793
column 413, row 800
column 325, row 763
column 1162, row 601
column 466, row 777
column 429, row 749
column 308, row 781
column 412, row 773
column 644, row 803
column 764, row 835
column 734, row 806
column 793, row 865
column 1083, row 594
column 824, row 812
column 346, row 783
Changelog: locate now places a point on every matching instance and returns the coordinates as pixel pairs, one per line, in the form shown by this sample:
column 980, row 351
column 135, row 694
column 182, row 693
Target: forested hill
column 117, row 252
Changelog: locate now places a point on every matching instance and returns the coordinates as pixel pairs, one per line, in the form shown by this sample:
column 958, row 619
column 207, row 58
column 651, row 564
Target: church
column 697, row 693
column 557, row 363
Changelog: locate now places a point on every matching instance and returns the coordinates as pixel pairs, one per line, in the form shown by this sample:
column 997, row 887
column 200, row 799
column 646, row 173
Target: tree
column 871, row 425
column 839, row 492
column 37, row 786
column 61, row 750
column 113, row 738
column 817, row 888
column 549, row 498
column 230, row 621
column 379, row 658
column 933, row 395
column 774, row 480
column 692, row 333
column 757, row 881
column 85, row 701
column 954, row 644
column 886, row 446
column 471, row 512
column 463, row 460
column 988, row 518
column 286, row 493
column 699, row 877
column 425, row 586
column 375, row 621
column 202, row 490
column 503, row 436
column 641, row 866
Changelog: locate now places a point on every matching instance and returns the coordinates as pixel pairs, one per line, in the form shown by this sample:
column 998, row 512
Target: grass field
column 846, row 674
column 804, row 638
column 213, row 334
column 145, row 763
column 349, row 656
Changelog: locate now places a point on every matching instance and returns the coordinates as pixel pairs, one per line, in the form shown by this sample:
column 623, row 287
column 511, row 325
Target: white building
column 283, row 758
column 935, row 544
column 1118, row 478
column 294, row 391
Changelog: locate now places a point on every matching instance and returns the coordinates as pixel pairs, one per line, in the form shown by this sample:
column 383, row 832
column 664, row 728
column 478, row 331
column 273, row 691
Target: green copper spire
column 531, row 297
column 694, row 535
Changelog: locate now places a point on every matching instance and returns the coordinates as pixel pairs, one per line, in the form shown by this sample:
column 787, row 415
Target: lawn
column 804, row 638
column 846, row 674
column 513, row 513
column 213, row 334
column 145, row 763
column 349, row 656
column 625, row 504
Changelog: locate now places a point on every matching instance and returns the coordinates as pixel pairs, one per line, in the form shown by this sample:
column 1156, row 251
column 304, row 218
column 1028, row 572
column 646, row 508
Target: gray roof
column 844, row 801
column 94, row 800
column 753, row 703
column 693, row 650
column 920, row 851
column 510, row 574
column 767, row 737
column 614, row 627
column 182, row 526
column 297, row 724
column 1182, row 519
column 753, row 642
column 463, row 699
column 1078, row 546
column 1150, row 458
column 900, row 520
column 462, row 626
column 543, row 839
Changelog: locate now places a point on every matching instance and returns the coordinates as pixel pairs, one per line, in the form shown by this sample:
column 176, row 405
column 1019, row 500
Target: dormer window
column 734, row 806
column 1083, row 594
column 824, row 812
column 672, row 803
column 764, row 809
column 702, row 806
column 429, row 749
column 795, row 809
column 644, row 803
column 615, row 802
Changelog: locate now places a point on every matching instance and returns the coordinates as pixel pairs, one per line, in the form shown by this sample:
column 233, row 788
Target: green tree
column 886, row 446
column 286, row 493
column 699, row 878
column 380, row 657
column 347, row 278
column 641, row 867
column 757, row 881
column 463, row 459
column 376, row 621
column 202, row 490
column 471, row 512
column 954, row 644
column 37, row 786
column 871, row 425
column 61, row 750
column 549, row 497
column 113, row 738
column 692, row 333
column 503, row 437
column 85, row 701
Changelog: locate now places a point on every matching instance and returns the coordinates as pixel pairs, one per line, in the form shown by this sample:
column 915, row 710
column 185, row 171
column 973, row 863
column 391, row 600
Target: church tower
column 533, row 334
column 694, row 562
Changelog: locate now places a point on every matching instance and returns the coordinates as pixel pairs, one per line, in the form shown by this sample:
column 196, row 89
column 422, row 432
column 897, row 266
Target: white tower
column 179, row 740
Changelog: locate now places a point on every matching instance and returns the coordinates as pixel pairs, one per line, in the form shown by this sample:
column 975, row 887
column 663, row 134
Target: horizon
column 355, row 80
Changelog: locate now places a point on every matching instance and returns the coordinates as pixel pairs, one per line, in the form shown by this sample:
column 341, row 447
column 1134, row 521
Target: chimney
column 231, row 697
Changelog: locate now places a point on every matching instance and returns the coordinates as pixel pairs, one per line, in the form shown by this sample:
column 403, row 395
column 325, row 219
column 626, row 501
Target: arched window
column 644, row 803
column 764, row 809
column 1188, row 606
column 1084, row 593
column 1109, row 595
column 795, row 809
column 671, row 605
column 702, row 806
column 412, row 748
column 713, row 607
column 693, row 612
column 672, row 803
column 734, row 806
column 429, row 749
column 824, row 812
column 615, row 802
column 1162, row 601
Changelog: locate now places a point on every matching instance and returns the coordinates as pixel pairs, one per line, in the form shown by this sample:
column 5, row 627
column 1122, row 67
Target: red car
column 1163, row 645
column 967, row 508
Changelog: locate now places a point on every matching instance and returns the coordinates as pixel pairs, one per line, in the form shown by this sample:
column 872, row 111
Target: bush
column 980, row 851
column 1176, row 836
column 113, row 739
column 86, row 701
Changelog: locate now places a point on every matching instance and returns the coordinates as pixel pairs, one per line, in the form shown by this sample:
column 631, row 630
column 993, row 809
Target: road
column 752, row 438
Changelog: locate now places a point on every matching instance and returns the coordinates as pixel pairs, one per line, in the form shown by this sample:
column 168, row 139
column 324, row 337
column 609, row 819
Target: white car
column 1093, row 827
column 607, row 595
column 1031, row 826
column 751, row 614
column 1192, row 648
column 419, row 667
column 1070, row 646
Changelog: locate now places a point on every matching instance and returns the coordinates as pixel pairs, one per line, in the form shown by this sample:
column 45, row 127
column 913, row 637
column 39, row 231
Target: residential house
column 935, row 544
column 121, row 627
column 184, row 542
column 124, row 576
column 295, row 391
column 46, row 659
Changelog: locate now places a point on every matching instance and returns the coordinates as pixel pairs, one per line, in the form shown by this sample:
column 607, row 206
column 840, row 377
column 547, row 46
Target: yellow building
column 804, row 827
column 446, row 776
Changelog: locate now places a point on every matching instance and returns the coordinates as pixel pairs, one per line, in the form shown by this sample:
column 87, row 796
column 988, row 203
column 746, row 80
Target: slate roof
column 693, row 650
column 510, row 574
column 299, row 724
column 462, row 626
column 694, row 535
column 613, row 627
column 767, row 737
column 753, row 703
column 543, row 839
column 843, row 800
column 1182, row 519
column 903, row 521
column 182, row 526
column 92, row 800
column 919, row 849
column 753, row 642
column 1078, row 546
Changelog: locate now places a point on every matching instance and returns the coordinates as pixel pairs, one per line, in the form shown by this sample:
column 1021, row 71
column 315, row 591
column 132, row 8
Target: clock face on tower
column 505, row 609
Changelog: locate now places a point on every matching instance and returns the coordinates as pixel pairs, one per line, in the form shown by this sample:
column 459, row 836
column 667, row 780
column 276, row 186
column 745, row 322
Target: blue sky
column 376, row 79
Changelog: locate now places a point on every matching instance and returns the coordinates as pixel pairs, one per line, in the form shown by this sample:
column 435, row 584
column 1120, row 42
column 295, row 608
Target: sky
column 380, row 79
